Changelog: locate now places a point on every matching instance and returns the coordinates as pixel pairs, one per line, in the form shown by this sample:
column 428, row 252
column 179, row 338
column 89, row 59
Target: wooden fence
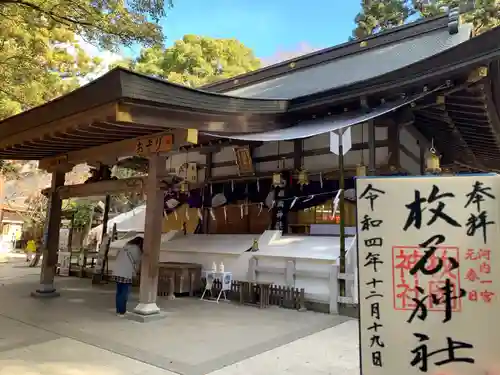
column 287, row 297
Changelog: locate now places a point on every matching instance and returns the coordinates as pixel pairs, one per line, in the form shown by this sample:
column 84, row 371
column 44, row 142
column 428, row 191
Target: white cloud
column 107, row 57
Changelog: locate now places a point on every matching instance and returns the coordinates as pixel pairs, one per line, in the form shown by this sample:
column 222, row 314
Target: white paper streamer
column 261, row 206
column 166, row 214
column 200, row 216
column 241, row 211
column 212, row 215
column 272, row 205
column 321, row 179
column 293, row 202
column 336, row 202
column 187, row 213
column 309, row 198
column 258, row 186
column 175, row 214
column 225, row 214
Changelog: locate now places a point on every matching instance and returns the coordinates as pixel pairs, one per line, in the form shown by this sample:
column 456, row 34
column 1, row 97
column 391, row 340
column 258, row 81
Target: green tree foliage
column 110, row 23
column 82, row 211
column 195, row 60
column 40, row 54
column 37, row 65
column 379, row 15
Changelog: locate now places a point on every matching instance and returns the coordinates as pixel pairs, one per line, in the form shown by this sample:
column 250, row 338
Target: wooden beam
column 109, row 154
column 305, row 153
column 289, row 155
column 408, row 153
column 103, row 113
column 101, row 188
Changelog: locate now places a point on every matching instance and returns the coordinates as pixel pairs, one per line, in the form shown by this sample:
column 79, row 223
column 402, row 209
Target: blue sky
column 266, row 26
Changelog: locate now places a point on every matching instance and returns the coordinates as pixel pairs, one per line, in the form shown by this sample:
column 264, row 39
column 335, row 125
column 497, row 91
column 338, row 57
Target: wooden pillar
column 99, row 277
column 105, row 216
column 208, row 175
column 393, row 137
column 372, row 161
column 51, row 240
column 152, row 237
column 422, row 159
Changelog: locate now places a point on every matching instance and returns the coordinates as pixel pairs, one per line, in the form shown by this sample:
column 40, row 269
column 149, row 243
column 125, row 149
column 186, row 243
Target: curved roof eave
column 124, row 85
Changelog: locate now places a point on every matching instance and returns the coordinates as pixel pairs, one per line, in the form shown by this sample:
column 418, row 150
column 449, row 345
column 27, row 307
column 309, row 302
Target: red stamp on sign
column 480, row 275
column 407, row 288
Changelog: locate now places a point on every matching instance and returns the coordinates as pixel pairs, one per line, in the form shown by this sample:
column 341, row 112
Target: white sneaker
column 120, row 315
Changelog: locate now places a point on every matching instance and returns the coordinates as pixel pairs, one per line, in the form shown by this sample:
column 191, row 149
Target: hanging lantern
column 432, row 163
column 276, row 179
column 303, row 178
column 184, row 187
column 361, row 170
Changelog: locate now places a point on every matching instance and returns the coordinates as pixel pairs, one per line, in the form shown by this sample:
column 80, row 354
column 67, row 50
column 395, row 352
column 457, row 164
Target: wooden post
column 152, row 237
column 342, row 211
column 208, row 175
column 422, row 159
column 372, row 161
column 105, row 216
column 101, row 276
column 51, row 242
column 393, row 131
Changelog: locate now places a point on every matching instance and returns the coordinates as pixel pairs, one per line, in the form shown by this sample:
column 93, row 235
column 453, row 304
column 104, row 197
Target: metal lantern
column 432, row 162
column 361, row 170
column 303, row 178
column 184, row 187
column 276, row 179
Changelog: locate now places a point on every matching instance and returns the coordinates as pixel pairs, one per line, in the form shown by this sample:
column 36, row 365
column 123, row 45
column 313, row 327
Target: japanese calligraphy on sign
column 427, row 267
column 154, row 144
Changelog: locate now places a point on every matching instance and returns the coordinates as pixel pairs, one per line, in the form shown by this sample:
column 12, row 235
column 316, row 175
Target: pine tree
column 380, row 15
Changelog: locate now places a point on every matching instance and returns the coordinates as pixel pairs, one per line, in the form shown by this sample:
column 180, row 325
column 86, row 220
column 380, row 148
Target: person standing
column 127, row 265
column 30, row 250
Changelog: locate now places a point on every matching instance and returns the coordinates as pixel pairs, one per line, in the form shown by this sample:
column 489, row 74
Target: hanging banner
column 279, row 219
column 428, row 269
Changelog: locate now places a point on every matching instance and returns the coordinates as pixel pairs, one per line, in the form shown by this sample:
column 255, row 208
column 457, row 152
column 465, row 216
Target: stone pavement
column 79, row 334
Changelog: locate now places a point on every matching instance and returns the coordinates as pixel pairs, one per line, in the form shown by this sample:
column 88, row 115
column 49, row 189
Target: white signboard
column 428, row 262
column 64, row 263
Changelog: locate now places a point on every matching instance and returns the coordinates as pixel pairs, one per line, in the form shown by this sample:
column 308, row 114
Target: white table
column 226, row 279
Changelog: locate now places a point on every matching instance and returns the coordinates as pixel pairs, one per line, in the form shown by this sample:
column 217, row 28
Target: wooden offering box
column 186, row 277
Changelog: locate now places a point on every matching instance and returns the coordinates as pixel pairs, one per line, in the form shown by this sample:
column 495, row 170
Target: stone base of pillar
column 147, row 309
column 146, row 312
column 45, row 291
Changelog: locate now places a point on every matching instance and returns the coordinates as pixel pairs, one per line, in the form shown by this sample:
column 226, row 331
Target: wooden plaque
column 153, row 145
column 244, row 160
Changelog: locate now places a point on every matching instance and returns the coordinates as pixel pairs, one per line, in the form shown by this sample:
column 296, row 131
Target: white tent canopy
column 131, row 221
column 315, row 127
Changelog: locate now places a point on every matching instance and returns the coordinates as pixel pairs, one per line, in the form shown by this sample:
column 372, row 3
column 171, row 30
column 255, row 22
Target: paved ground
column 79, row 334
